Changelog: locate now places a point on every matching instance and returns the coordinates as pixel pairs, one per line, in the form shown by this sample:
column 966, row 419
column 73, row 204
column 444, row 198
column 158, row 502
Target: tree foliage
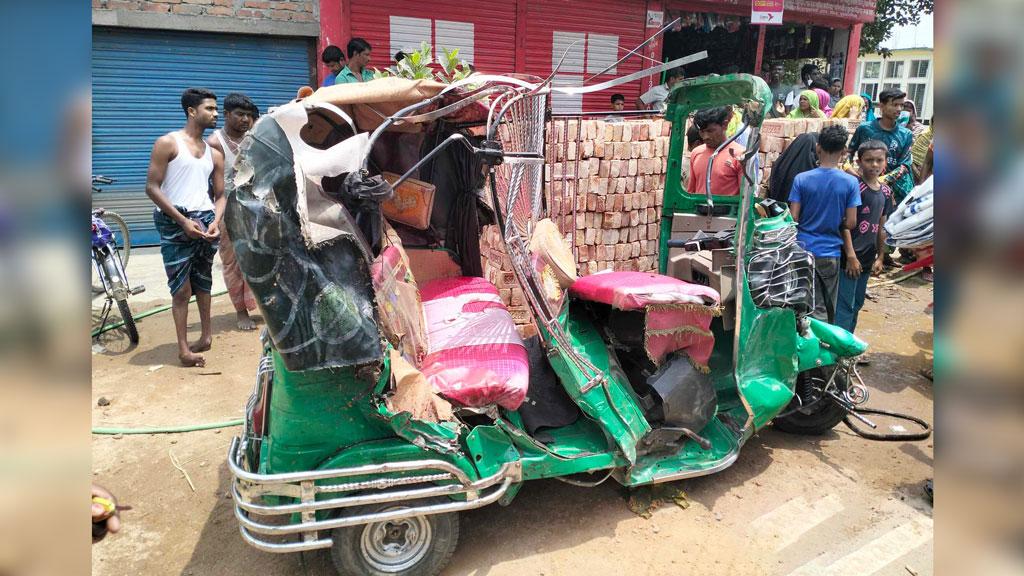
column 888, row 15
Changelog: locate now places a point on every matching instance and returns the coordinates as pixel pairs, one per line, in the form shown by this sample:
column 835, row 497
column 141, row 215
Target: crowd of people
column 840, row 188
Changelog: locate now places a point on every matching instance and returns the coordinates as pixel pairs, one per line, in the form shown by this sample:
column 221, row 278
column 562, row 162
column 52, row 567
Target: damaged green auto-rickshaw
column 395, row 391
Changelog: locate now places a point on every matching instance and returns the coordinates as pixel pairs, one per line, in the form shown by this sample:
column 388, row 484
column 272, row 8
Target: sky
column 920, row 36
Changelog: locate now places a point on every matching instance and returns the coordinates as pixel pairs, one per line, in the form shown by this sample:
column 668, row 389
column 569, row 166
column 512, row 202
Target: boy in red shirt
column 728, row 170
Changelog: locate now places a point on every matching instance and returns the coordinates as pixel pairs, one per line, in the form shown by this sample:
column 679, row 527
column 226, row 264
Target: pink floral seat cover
column 677, row 314
column 475, row 356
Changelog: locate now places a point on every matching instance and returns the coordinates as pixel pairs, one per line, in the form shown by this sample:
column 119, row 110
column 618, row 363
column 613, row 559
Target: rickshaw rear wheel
column 822, row 415
column 414, row 546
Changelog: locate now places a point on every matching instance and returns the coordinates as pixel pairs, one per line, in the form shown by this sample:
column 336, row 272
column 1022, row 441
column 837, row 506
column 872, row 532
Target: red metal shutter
column 553, row 23
column 488, row 27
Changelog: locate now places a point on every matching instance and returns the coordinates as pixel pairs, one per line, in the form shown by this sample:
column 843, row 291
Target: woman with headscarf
column 808, row 106
column 852, row 106
column 820, row 87
column 913, row 124
column 869, row 115
column 824, row 100
column 800, row 156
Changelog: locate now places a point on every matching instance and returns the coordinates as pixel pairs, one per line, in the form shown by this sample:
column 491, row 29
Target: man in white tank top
column 239, row 115
column 188, row 220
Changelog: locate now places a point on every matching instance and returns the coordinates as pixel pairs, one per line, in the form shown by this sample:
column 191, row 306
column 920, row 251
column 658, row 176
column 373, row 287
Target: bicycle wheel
column 122, row 242
column 129, row 320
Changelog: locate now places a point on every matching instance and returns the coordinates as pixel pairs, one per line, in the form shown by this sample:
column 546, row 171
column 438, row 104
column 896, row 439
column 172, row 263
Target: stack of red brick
column 613, row 175
column 777, row 134
column 498, row 270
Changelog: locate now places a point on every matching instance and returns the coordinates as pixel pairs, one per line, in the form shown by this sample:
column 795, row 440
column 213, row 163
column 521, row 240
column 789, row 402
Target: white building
column 909, row 67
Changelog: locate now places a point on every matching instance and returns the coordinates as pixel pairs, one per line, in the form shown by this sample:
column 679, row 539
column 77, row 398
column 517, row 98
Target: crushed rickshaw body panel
column 393, row 370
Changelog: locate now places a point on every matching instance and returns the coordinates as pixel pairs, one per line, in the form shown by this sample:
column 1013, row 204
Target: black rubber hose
column 889, row 437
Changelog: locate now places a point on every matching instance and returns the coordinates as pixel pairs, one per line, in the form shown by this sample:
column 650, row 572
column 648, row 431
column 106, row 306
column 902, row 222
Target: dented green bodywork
column 337, row 418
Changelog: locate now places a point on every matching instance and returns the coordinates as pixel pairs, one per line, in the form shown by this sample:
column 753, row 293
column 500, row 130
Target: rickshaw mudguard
column 839, row 341
column 608, row 402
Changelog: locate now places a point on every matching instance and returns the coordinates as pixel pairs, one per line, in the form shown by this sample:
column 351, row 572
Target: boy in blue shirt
column 823, row 201
column 863, row 245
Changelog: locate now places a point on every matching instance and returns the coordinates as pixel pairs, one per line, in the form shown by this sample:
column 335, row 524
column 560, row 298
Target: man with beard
column 188, row 220
column 239, row 115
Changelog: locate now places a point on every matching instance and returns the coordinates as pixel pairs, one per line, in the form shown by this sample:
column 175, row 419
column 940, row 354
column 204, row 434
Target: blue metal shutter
column 137, row 80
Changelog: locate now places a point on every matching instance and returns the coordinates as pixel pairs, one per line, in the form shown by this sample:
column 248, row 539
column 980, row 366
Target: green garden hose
column 156, row 310
column 168, row 429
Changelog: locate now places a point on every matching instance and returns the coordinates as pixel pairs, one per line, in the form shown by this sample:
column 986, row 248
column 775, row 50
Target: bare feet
column 190, row 359
column 201, row 345
column 245, row 322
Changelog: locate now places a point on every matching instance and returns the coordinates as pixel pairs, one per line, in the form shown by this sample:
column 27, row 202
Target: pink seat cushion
column 677, row 314
column 474, row 354
column 637, row 290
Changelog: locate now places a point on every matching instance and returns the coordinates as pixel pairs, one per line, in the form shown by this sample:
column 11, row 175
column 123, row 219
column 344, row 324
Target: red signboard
column 856, row 10
column 766, row 12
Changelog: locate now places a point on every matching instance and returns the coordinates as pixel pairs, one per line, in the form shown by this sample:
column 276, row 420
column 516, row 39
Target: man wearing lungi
column 239, row 115
column 180, row 171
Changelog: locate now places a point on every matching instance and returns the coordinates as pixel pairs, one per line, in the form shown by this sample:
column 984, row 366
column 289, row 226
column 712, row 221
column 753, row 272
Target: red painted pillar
column 520, row 40
column 334, row 29
column 852, row 53
column 652, row 50
column 759, row 58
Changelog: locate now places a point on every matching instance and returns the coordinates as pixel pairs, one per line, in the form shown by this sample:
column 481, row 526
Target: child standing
column 862, row 246
column 823, row 201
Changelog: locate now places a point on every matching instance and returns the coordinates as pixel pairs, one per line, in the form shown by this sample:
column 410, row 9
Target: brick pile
column 498, row 270
column 777, row 134
column 616, row 173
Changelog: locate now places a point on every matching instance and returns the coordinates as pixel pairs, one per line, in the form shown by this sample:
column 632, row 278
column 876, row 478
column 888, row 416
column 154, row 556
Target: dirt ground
column 791, row 505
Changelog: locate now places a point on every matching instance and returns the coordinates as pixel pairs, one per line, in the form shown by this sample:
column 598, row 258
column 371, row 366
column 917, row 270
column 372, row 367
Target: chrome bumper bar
column 431, row 479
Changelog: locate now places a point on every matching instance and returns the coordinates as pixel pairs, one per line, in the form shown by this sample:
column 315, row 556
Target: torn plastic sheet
column 298, row 249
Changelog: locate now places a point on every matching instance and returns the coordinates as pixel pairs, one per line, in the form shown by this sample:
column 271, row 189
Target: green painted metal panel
column 610, row 403
column 316, row 413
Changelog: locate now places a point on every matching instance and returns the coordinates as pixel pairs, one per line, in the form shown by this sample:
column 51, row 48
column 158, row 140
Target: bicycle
column 110, row 258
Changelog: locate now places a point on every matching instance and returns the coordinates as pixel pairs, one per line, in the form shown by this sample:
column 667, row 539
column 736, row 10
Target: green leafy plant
column 453, row 68
column 417, row 66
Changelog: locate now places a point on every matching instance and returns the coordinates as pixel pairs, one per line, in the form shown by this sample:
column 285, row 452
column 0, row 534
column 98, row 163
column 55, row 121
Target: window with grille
column 915, row 92
column 872, row 69
column 871, row 89
column 579, row 52
column 894, row 69
column 919, row 68
column 408, row 33
column 891, row 86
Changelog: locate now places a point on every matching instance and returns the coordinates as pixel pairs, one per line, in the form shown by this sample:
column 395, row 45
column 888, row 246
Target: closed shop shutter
column 596, row 33
column 137, row 80
column 484, row 32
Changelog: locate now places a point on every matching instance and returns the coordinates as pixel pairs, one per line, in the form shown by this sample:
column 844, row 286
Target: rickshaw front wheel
column 414, row 546
column 822, row 413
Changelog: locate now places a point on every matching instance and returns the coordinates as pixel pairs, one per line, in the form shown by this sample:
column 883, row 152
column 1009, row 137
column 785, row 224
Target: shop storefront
column 827, row 33
column 530, row 36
